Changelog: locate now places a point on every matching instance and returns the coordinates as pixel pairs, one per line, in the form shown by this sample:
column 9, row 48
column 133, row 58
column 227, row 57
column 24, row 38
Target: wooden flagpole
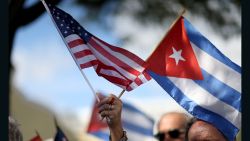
column 173, row 23
column 84, row 76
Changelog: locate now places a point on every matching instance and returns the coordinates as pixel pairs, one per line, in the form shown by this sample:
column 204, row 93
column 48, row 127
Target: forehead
column 172, row 121
column 202, row 131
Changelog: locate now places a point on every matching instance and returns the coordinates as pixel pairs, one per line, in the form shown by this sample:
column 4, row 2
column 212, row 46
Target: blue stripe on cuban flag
column 130, row 117
column 137, row 124
column 217, row 98
column 102, row 134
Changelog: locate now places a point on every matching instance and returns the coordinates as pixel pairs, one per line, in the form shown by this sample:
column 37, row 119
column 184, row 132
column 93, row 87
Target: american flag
column 115, row 64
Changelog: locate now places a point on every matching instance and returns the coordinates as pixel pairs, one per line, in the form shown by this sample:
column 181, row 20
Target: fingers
column 112, row 99
column 106, row 107
column 109, row 114
column 110, row 107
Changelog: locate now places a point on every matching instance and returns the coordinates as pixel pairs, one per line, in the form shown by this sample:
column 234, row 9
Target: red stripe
column 113, row 58
column 115, row 79
column 124, row 52
column 82, row 53
column 75, row 43
column 89, row 64
column 101, row 65
column 129, row 88
column 146, row 75
column 138, row 81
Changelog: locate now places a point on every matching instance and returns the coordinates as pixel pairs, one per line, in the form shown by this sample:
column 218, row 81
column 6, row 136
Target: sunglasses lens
column 160, row 136
column 174, row 133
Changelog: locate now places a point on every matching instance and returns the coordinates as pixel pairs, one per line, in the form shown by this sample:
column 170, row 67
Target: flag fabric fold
column 136, row 131
column 115, row 64
column 215, row 96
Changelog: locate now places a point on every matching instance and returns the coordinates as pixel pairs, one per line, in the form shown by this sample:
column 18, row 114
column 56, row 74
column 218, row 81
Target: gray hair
column 14, row 132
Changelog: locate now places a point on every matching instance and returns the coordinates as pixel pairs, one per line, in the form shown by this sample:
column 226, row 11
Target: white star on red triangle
column 177, row 56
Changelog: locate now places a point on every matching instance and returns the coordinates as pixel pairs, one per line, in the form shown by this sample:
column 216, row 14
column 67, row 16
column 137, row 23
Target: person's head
column 171, row 127
column 199, row 130
column 14, row 132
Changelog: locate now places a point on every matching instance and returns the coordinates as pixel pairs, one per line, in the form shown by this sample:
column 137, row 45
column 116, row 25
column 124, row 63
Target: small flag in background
column 115, row 64
column 60, row 136
column 138, row 125
column 36, row 138
column 214, row 95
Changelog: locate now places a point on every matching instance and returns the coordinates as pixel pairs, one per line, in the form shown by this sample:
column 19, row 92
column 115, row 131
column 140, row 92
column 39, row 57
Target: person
column 110, row 108
column 14, row 132
column 172, row 126
column 199, row 130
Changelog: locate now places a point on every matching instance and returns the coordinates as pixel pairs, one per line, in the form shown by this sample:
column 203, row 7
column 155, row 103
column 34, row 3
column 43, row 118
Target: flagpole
column 37, row 133
column 122, row 92
column 174, row 22
column 84, row 76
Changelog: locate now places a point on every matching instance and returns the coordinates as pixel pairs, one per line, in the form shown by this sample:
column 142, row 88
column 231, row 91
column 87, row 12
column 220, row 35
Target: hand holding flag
column 142, row 130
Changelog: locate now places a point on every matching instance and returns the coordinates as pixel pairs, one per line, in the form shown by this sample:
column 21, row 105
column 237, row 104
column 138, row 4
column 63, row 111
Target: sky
column 46, row 73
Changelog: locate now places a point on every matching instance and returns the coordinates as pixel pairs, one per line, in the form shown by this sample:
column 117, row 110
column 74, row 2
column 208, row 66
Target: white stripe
column 85, row 59
column 135, row 136
column 142, row 78
column 207, row 101
column 108, row 62
column 79, row 48
column 121, row 57
column 133, row 85
column 72, row 37
column 219, row 70
column 122, row 86
column 111, row 73
column 136, row 118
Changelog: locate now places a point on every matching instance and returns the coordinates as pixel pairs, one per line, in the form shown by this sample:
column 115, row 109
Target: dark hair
column 189, row 124
column 14, row 132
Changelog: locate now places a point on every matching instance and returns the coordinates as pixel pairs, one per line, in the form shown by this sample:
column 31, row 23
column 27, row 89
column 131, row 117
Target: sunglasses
column 173, row 133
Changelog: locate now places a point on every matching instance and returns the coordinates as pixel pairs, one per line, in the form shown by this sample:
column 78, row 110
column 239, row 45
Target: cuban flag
column 199, row 77
column 137, row 124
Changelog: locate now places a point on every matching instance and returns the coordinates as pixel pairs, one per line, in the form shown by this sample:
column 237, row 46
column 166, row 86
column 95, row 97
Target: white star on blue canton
column 177, row 56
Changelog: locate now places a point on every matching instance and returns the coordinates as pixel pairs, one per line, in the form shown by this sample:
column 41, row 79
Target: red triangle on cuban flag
column 174, row 56
column 96, row 124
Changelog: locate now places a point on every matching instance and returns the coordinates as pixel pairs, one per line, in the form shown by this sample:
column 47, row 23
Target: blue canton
column 67, row 24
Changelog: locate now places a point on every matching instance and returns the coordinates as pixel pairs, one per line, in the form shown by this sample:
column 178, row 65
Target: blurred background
column 45, row 82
